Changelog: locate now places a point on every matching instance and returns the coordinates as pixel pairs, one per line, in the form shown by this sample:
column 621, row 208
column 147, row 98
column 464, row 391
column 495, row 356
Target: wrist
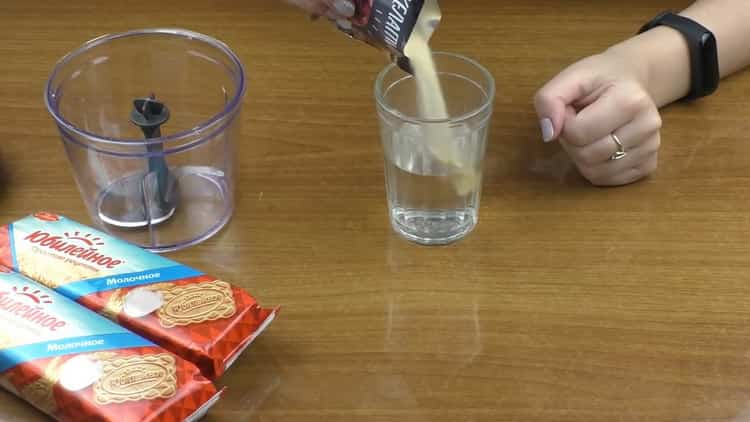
column 630, row 63
column 660, row 59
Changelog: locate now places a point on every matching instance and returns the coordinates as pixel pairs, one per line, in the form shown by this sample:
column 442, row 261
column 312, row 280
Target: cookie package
column 194, row 315
column 74, row 364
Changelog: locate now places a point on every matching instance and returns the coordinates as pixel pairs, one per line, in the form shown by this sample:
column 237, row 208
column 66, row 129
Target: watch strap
column 704, row 78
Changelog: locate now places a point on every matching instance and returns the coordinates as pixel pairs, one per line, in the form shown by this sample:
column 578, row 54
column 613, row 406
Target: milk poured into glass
column 432, row 165
column 433, row 125
column 439, row 137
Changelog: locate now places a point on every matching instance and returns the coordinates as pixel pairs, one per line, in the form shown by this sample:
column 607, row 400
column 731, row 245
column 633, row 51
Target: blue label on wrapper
column 12, row 245
column 17, row 355
column 100, row 284
column 77, row 260
column 38, row 323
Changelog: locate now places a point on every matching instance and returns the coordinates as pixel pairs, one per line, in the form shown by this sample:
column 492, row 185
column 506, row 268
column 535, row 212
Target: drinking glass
column 433, row 167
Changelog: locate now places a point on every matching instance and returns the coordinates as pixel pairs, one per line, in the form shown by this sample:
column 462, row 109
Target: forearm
column 661, row 56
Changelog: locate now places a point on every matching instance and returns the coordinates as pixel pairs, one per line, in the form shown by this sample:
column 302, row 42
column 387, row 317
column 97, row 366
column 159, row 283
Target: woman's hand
column 333, row 9
column 592, row 105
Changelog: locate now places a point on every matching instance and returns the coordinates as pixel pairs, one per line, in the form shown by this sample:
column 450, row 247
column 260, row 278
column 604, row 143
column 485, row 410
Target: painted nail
column 548, row 130
column 344, row 8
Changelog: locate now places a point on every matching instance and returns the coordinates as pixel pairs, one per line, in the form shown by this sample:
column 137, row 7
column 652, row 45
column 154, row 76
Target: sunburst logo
column 36, row 295
column 88, row 239
column 84, row 246
column 29, row 305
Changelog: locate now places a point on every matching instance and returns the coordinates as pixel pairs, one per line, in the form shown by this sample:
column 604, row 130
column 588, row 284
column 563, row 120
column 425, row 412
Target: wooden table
column 568, row 303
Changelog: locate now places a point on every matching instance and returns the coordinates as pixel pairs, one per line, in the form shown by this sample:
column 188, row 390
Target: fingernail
column 548, row 130
column 344, row 8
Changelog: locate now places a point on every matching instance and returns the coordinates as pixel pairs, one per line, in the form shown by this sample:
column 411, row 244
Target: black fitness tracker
column 704, row 56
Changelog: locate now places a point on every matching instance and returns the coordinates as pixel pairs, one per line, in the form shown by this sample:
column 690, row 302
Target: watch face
column 709, row 55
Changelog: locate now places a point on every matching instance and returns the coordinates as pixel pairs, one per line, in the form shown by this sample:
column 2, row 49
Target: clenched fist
column 604, row 118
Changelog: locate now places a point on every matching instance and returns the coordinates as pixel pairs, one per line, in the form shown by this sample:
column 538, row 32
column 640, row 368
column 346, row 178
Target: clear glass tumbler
column 148, row 119
column 433, row 167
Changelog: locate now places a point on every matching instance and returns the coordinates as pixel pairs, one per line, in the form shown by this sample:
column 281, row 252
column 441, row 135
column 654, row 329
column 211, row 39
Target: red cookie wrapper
column 75, row 365
column 197, row 316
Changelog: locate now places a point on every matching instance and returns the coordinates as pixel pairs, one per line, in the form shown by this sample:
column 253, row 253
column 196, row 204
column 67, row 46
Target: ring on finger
column 620, row 153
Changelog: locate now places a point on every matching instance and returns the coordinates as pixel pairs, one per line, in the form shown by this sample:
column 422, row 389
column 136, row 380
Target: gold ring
column 620, row 154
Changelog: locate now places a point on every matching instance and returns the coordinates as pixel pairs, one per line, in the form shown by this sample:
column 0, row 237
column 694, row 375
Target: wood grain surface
column 568, row 302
